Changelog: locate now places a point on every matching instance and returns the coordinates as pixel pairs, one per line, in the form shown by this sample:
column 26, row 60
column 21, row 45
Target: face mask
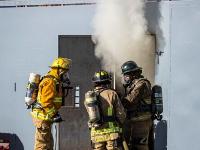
column 126, row 80
column 65, row 79
column 65, row 84
column 62, row 72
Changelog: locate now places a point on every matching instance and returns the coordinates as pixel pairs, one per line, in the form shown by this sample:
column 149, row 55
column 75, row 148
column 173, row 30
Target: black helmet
column 101, row 76
column 129, row 66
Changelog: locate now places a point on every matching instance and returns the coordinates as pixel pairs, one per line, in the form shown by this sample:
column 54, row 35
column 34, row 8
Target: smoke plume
column 120, row 32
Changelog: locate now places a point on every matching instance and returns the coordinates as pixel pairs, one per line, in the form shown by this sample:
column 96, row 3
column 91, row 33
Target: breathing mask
column 65, row 85
column 127, row 80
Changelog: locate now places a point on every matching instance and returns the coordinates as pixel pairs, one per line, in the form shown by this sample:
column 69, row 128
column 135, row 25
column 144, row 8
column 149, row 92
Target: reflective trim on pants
column 51, row 112
column 41, row 116
column 105, row 131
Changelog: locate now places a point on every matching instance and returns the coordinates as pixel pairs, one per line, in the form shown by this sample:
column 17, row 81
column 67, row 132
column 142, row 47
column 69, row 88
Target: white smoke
column 120, row 30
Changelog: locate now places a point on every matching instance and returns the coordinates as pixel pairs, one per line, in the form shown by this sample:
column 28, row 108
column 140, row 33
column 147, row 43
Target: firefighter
column 108, row 116
column 137, row 102
column 50, row 99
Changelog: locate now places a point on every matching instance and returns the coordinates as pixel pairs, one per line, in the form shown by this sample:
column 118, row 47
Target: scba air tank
column 32, row 89
column 157, row 101
column 91, row 104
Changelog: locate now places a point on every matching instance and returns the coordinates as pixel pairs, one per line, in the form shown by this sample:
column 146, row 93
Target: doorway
column 73, row 132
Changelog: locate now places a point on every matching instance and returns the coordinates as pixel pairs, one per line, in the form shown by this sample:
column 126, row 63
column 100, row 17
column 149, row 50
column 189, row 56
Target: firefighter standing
column 137, row 101
column 50, row 99
column 105, row 131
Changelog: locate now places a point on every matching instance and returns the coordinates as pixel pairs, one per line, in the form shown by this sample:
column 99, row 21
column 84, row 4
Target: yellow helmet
column 63, row 63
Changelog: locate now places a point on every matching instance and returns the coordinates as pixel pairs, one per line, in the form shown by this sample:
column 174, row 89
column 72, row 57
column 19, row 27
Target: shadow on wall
column 161, row 135
column 154, row 18
column 10, row 142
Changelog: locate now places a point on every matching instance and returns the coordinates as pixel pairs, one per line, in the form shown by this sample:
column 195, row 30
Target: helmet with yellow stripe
column 62, row 63
column 101, row 76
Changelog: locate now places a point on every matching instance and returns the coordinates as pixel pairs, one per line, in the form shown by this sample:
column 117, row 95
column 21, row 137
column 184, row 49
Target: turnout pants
column 138, row 133
column 107, row 145
column 43, row 135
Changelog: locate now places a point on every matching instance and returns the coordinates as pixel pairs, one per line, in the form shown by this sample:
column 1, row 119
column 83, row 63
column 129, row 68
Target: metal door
column 73, row 132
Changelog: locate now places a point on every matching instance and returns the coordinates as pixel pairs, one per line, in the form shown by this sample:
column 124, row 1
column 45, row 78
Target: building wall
column 178, row 74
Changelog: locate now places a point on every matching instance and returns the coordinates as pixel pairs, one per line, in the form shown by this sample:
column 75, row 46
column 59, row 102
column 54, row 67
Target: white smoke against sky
column 120, row 30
